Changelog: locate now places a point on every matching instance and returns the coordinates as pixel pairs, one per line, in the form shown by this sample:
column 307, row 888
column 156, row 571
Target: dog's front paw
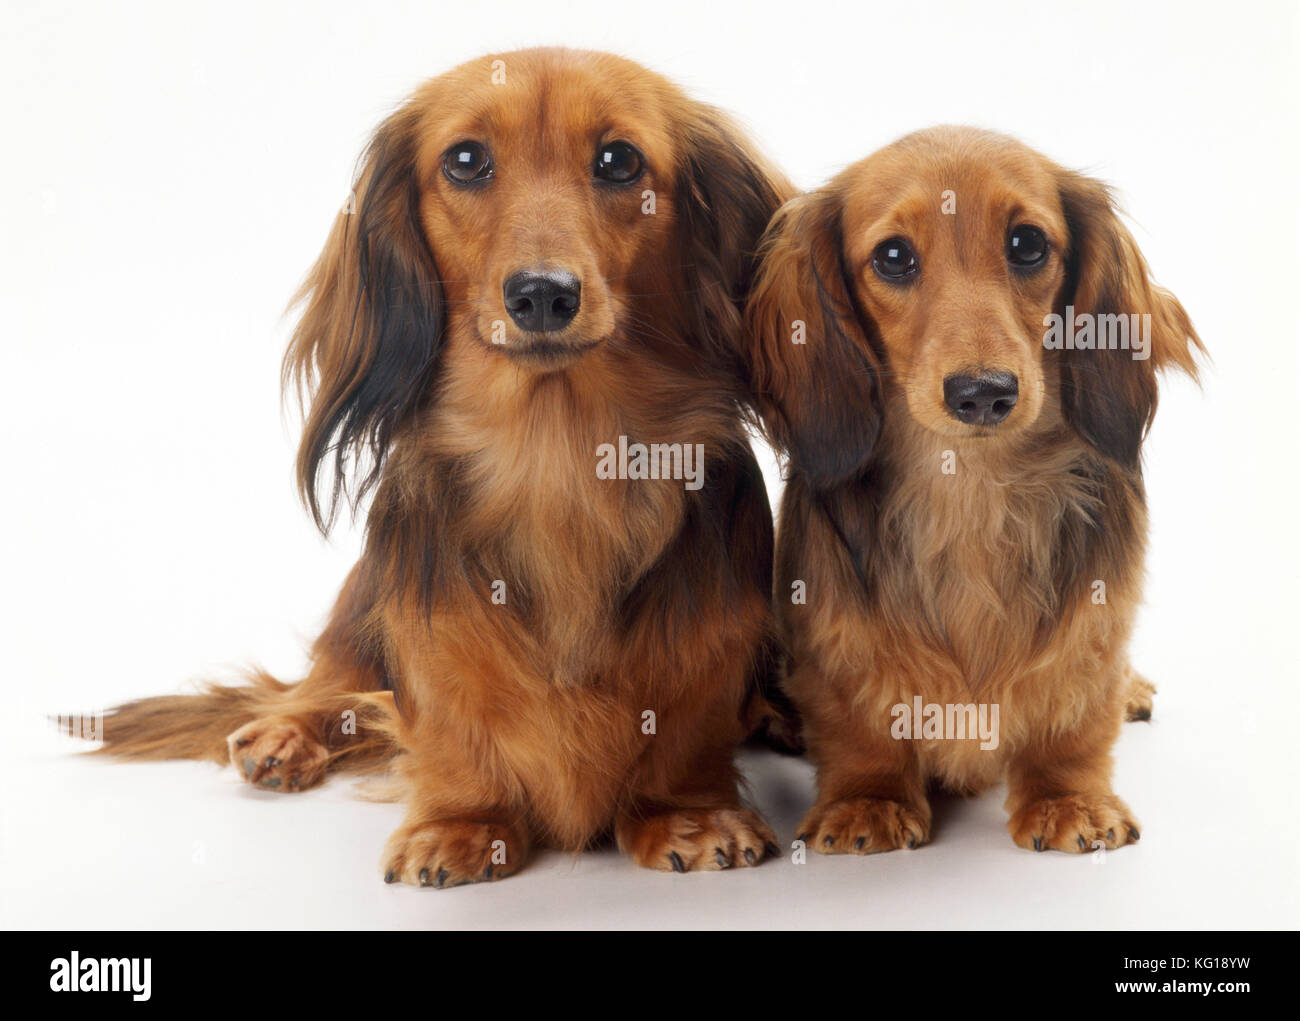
column 691, row 839
column 453, row 852
column 865, row 826
column 1074, row 822
column 278, row 754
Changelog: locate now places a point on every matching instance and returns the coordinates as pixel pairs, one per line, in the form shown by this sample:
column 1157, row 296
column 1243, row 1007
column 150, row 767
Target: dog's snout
column 985, row 399
column 542, row 301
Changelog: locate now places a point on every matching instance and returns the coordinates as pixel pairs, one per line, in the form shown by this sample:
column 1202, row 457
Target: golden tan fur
column 523, row 720
column 944, row 559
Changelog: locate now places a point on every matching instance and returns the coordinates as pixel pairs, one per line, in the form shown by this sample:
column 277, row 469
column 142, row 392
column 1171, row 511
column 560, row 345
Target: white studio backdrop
column 169, row 173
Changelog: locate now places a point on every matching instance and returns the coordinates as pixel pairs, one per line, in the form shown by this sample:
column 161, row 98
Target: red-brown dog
column 540, row 283
column 959, row 555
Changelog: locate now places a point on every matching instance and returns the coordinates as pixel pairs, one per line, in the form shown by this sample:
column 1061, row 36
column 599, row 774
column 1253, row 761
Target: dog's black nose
column 985, row 399
column 542, row 301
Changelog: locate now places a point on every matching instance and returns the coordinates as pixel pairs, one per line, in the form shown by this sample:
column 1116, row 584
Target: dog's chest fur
column 973, row 536
column 565, row 543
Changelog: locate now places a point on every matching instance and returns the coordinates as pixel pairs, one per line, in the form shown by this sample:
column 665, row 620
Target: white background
column 169, row 174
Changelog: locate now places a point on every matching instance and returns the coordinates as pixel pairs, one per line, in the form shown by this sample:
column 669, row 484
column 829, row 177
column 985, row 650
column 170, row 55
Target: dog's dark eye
column 467, row 162
column 618, row 163
column 894, row 259
column 1026, row 247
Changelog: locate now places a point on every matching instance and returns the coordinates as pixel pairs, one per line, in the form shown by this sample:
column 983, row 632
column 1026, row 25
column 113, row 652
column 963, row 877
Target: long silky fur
column 621, row 596
column 973, row 588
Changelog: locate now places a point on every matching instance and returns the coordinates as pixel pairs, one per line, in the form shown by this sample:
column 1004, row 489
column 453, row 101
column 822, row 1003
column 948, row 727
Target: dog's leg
column 470, row 847
column 280, row 737
column 870, row 792
column 699, row 824
column 280, row 753
column 1060, row 797
column 339, row 716
column 334, row 718
column 463, row 824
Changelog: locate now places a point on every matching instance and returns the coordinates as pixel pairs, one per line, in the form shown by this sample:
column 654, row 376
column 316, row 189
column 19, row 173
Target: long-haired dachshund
column 522, row 340
column 956, row 346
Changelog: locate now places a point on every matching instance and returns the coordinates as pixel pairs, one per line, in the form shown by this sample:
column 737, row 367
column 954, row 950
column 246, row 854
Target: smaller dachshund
column 955, row 345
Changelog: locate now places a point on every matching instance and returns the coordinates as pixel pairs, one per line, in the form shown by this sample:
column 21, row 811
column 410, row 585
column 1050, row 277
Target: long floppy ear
column 812, row 367
column 364, row 351
column 1109, row 396
column 726, row 195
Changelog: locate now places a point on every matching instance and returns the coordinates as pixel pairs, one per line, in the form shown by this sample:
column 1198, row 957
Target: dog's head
column 969, row 282
column 520, row 216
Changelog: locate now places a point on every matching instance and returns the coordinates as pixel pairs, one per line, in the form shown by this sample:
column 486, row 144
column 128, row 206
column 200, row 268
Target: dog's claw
column 676, row 860
column 750, row 857
column 1038, row 843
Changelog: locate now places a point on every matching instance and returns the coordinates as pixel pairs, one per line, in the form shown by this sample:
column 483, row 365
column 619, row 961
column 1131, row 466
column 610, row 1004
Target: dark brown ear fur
column 819, row 398
column 726, row 197
column 363, row 355
column 1108, row 396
